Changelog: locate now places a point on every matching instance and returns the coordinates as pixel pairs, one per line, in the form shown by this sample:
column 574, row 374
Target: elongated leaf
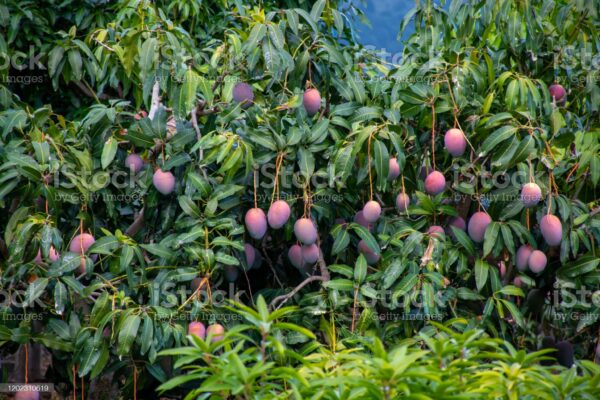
column 365, row 235
column 306, row 162
column 105, row 245
column 482, row 270
column 381, row 161
column 109, row 151
column 127, row 334
column 360, row 269
column 491, row 237
column 35, row 290
column 497, row 137
column 341, row 240
column 60, row 297
column 147, row 334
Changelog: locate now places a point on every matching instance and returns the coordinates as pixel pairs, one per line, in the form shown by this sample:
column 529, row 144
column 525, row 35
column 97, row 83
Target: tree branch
column 197, row 129
column 285, row 297
column 136, row 225
column 3, row 249
column 322, row 265
column 324, row 277
column 89, row 93
column 270, row 262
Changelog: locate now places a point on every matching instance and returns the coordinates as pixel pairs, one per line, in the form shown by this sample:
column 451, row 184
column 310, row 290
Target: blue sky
column 385, row 17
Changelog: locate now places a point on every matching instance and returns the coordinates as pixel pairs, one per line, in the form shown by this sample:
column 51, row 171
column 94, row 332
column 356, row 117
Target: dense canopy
column 236, row 199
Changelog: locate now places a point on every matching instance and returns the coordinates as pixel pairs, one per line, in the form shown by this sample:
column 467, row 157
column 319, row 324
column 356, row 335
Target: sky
column 385, row 17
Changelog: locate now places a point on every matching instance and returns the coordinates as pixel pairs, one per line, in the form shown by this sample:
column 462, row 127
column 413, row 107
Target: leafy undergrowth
column 444, row 361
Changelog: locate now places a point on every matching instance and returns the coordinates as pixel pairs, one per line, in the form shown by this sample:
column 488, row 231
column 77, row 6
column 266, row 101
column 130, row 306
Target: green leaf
column 205, row 87
column 176, row 161
column 468, row 294
column 392, row 273
column 306, row 162
column 481, row 273
column 60, row 327
column 190, row 236
column 187, row 93
column 68, row 263
column 381, row 161
column 497, row 119
column 338, row 21
column 491, row 237
column 138, row 137
column 147, row 334
column 488, row 308
column 319, row 131
column 340, row 284
column 507, row 238
column 317, row 10
column 179, row 381
column 557, row 119
column 189, row 207
column 595, row 170
column 158, row 250
column 497, row 137
column 293, row 327
column 406, row 285
column 579, row 267
column 292, row 19
column 307, row 18
column 464, row 240
column 89, row 357
column 35, row 290
column 14, row 119
column 514, row 312
column 127, row 254
column 148, row 54
column 344, row 162
column 511, row 290
column 276, row 36
column 355, row 82
column 76, row 64
column 525, row 150
column 109, row 151
column 127, row 334
column 60, row 297
column 200, row 183
column 224, row 242
column 360, row 269
column 105, row 245
column 54, row 59
column 101, row 362
column 42, row 152
column 256, row 35
column 366, row 114
column 365, row 235
column 341, row 239
column 341, row 269
column 226, row 259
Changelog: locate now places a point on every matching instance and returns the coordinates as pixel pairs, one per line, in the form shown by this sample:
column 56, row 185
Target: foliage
column 443, row 361
column 160, row 261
